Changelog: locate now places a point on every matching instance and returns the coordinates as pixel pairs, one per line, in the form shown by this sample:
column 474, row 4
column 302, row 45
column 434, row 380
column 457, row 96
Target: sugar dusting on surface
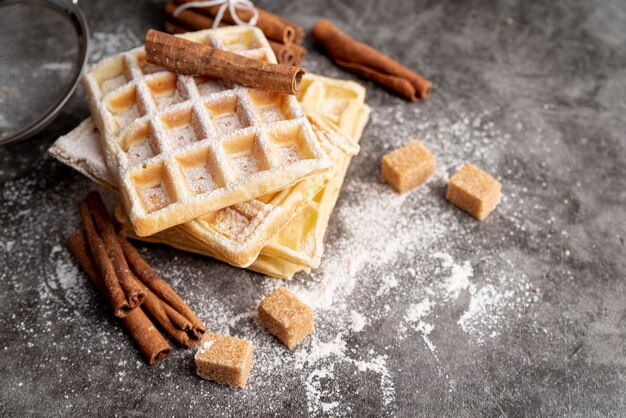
column 390, row 245
column 105, row 44
column 393, row 245
column 391, row 261
column 387, row 256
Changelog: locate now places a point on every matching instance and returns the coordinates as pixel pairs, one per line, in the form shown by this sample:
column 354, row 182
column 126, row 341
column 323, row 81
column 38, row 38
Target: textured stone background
column 553, row 78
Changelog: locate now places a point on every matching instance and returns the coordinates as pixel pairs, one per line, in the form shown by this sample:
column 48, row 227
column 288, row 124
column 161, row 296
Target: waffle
column 303, row 246
column 339, row 105
column 237, row 233
column 298, row 246
column 182, row 146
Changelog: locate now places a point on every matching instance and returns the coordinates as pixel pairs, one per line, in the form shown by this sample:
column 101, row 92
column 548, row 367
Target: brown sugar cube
column 408, row 167
column 286, row 317
column 223, row 359
column 474, row 191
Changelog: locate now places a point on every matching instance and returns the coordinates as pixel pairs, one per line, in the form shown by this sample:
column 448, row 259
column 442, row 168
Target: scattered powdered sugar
column 403, row 244
column 414, row 319
column 120, row 39
column 322, row 360
column 388, row 282
column 378, row 365
column 486, row 314
column 357, row 321
column 66, row 273
column 459, row 274
column 417, row 311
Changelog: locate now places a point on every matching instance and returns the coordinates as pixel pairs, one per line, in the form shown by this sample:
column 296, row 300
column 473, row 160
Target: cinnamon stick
column 176, row 325
column 273, row 26
column 133, row 294
column 156, row 284
column 112, row 288
column 291, row 54
column 299, row 51
column 190, row 19
column 284, row 55
column 187, row 57
column 367, row 62
column 150, row 342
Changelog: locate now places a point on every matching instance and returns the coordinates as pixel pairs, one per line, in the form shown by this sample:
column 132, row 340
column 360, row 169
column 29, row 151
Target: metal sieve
column 43, row 51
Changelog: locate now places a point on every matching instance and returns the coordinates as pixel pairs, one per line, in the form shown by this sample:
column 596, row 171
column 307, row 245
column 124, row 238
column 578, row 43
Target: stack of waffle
column 246, row 176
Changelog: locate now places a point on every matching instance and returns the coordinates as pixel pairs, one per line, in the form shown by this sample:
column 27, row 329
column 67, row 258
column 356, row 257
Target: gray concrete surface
column 532, row 91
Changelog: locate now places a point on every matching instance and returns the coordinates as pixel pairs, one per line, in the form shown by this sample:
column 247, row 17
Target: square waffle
column 335, row 103
column 182, row 146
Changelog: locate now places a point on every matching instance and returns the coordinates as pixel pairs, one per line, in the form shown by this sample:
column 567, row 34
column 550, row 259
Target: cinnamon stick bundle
column 149, row 340
column 273, row 26
column 191, row 58
column 112, row 255
column 176, row 325
column 367, row 62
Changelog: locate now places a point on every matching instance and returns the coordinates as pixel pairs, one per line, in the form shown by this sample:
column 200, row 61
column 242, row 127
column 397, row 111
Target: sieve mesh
column 41, row 58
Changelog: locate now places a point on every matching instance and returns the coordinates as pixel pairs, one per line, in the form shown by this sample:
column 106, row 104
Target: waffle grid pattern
column 238, row 233
column 298, row 244
column 183, row 146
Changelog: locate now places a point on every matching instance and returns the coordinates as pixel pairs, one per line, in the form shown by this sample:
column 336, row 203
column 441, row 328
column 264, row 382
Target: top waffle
column 182, row 146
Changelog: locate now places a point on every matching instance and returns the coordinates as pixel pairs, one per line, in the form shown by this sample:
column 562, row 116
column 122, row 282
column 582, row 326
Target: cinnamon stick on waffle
column 149, row 340
column 365, row 61
column 192, row 58
column 273, row 26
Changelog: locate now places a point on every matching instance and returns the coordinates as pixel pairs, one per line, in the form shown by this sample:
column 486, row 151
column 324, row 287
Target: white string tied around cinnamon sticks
column 231, row 5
